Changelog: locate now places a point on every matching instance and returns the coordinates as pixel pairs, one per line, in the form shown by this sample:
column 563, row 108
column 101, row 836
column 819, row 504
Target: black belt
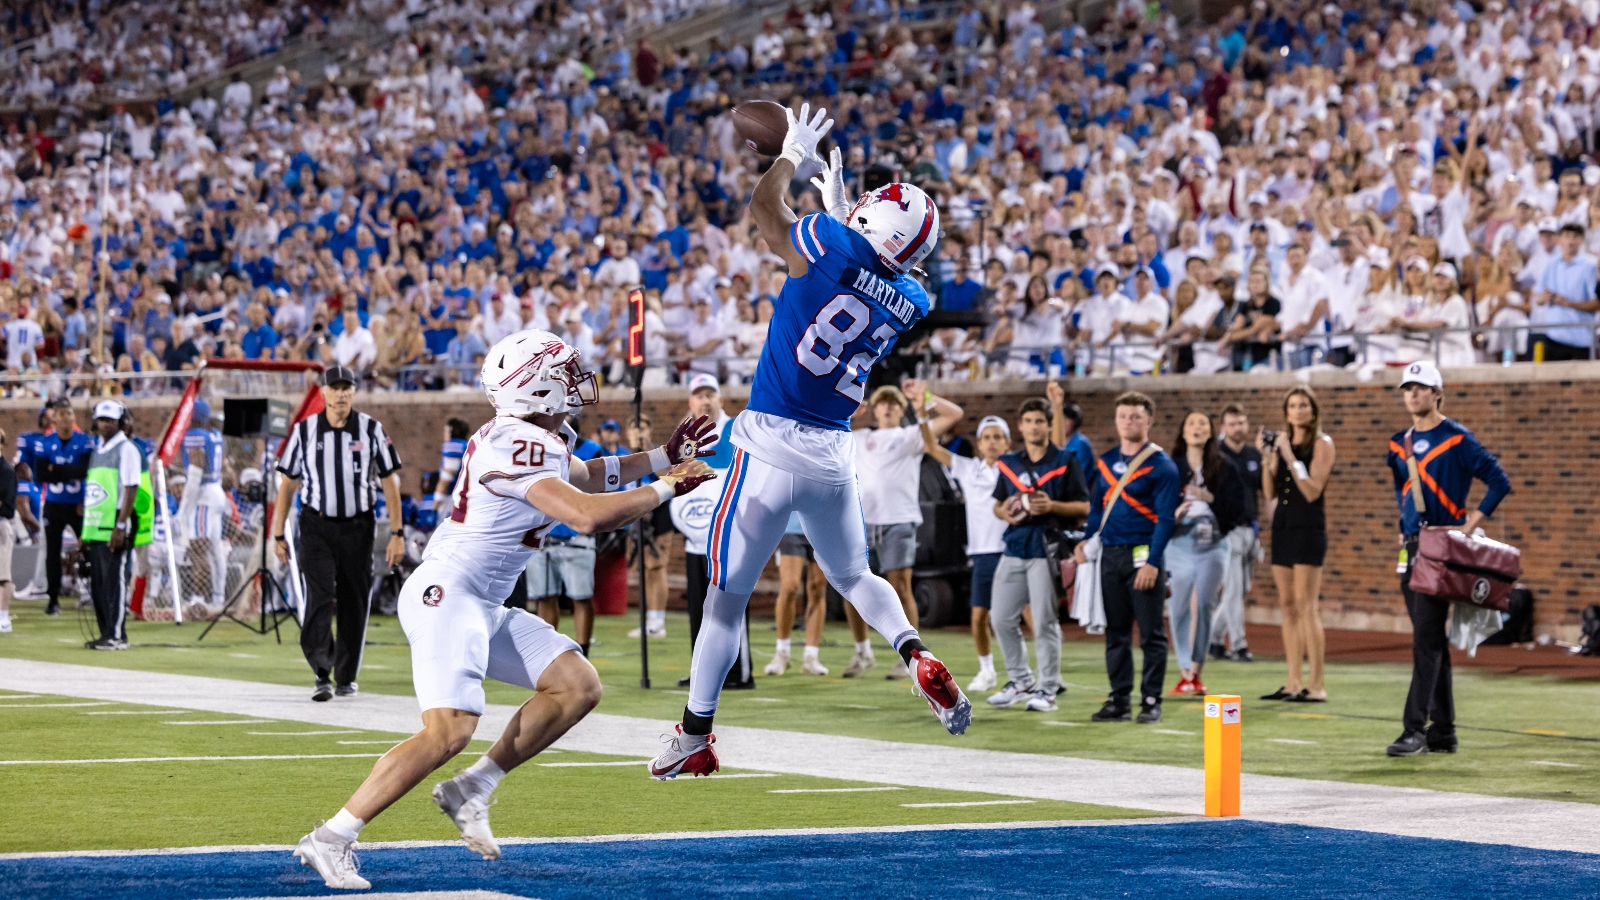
column 341, row 519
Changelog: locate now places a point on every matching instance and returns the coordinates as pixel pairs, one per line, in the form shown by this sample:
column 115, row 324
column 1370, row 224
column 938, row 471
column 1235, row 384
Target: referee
column 331, row 461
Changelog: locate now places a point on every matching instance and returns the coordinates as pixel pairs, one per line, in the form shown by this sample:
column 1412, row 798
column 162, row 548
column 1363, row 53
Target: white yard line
column 618, row 838
column 968, row 803
column 587, row 765
column 294, row 733
column 1551, row 762
column 225, row 722
column 156, row 759
column 139, row 712
column 1415, row 812
column 865, row 790
column 1291, row 741
column 48, row 705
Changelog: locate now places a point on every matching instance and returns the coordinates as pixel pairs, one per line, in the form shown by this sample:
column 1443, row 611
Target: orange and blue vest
column 1143, row 515
column 1449, row 457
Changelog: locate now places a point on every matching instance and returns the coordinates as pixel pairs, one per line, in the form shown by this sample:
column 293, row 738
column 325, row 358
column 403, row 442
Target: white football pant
column 749, row 521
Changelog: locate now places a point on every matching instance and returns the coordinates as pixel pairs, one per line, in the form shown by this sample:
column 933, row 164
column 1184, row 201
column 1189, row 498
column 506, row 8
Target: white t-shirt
column 21, row 335
column 489, row 531
column 1152, row 307
column 985, row 530
column 888, row 461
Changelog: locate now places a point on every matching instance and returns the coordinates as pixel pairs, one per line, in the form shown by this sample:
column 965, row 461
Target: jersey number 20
column 823, row 345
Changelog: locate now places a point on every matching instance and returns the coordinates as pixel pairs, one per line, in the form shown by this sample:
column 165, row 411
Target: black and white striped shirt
column 338, row 468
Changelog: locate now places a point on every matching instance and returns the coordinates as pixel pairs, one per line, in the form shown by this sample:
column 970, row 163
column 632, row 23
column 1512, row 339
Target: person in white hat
column 1434, row 463
column 110, row 524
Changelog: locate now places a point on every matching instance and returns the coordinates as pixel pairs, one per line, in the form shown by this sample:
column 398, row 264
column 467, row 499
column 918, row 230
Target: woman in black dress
column 1294, row 473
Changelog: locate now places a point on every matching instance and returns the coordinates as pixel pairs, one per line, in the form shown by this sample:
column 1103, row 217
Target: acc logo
column 1213, row 710
column 1480, row 590
column 94, row 493
column 433, row 595
column 1420, row 446
column 1119, row 467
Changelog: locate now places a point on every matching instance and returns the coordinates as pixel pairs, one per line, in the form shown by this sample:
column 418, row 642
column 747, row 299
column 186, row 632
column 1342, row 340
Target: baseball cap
column 250, row 476
column 110, row 409
column 1424, row 373
column 338, row 374
column 1548, row 223
column 1258, row 197
column 1446, row 269
column 704, row 380
column 988, row 422
column 611, row 425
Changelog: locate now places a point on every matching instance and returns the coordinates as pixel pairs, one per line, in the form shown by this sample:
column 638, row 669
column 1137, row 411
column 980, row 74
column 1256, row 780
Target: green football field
column 1521, row 736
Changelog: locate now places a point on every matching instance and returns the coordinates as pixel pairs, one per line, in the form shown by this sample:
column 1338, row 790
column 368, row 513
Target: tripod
column 270, row 585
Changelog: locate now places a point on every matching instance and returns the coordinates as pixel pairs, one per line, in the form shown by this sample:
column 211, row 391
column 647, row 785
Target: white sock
column 655, row 618
column 811, row 652
column 344, row 826
column 783, row 645
column 864, row 647
column 486, row 774
column 986, row 663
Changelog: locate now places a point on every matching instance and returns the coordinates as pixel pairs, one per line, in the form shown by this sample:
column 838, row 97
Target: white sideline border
column 365, row 846
column 1402, row 811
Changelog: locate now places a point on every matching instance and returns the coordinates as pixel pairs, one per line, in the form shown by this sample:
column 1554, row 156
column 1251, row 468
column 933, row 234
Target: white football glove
column 800, row 144
column 831, row 183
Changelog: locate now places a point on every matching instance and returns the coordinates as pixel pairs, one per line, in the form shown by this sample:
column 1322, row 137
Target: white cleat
column 470, row 812
column 859, row 663
column 686, row 754
column 932, row 682
column 983, row 681
column 779, row 664
column 335, row 862
column 5, row 625
column 813, row 666
column 652, row 632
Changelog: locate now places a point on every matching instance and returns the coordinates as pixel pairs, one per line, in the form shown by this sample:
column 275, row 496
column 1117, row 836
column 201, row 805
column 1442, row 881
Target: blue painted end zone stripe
column 1224, row 858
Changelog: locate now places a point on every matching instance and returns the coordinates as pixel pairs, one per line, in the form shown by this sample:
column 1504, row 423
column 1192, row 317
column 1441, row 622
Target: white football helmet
column 536, row 372
column 901, row 223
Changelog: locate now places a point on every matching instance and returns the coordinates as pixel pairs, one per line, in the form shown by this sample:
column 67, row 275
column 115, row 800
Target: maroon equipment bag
column 1464, row 568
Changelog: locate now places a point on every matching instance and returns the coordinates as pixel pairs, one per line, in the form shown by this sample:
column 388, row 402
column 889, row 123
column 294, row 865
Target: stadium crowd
column 1292, row 185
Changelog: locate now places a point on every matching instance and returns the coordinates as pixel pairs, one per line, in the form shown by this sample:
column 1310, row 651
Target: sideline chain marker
column 1222, row 754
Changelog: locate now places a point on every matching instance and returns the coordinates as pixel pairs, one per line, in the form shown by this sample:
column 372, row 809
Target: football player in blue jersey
column 848, row 298
column 456, row 432
column 205, row 506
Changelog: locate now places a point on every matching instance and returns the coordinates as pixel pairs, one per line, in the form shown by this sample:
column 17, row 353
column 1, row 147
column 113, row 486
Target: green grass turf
column 219, row 802
column 1347, row 734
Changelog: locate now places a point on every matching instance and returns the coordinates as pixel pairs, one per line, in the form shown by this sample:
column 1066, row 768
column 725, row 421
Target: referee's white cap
column 110, row 409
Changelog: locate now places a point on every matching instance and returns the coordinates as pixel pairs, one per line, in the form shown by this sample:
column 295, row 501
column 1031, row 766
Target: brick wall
column 1543, row 421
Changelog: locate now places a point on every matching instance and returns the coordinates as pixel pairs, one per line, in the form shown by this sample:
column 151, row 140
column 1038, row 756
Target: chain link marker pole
column 1222, row 754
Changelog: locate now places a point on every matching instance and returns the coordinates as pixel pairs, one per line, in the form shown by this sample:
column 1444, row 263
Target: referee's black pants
column 336, row 560
column 1124, row 606
column 57, row 516
column 1431, row 702
column 698, row 578
column 110, row 575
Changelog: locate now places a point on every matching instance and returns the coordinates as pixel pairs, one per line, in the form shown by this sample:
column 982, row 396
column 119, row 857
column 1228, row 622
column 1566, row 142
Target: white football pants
column 745, row 529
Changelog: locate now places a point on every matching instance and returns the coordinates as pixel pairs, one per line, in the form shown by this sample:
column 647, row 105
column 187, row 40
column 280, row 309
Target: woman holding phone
column 1296, row 464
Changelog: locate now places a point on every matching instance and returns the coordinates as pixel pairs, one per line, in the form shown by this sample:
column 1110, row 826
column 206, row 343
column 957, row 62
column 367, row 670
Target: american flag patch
column 894, row 244
column 355, row 446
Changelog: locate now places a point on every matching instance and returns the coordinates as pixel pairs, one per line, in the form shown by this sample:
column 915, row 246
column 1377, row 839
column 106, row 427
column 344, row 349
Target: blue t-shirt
column 1083, row 451
column 832, row 325
column 1057, row 475
column 202, row 448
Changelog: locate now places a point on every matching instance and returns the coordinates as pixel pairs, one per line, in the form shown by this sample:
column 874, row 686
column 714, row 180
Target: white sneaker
column 5, row 625
column 1041, row 701
column 859, row 663
column 470, row 811
column 813, row 666
column 1011, row 695
column 779, row 664
column 335, row 862
column 899, row 672
column 686, row 754
column 985, row 680
column 633, row 635
column 32, row 592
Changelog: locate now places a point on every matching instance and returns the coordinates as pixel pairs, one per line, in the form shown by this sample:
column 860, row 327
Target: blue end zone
column 1188, row 860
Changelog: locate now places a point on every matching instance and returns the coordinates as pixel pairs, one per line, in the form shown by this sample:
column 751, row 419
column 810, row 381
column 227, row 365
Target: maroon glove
column 685, row 477
column 688, row 441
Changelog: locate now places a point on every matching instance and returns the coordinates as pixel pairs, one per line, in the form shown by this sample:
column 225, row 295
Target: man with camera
column 1434, row 463
column 331, row 461
column 1039, row 492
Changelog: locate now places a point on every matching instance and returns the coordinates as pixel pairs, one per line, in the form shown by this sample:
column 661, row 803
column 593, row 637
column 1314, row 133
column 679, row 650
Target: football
column 762, row 124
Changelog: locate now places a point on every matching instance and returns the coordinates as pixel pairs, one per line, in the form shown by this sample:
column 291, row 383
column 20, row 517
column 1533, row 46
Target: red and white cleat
column 932, row 682
column 690, row 754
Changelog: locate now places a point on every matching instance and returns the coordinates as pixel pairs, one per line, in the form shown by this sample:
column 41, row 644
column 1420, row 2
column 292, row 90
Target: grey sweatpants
column 1018, row 583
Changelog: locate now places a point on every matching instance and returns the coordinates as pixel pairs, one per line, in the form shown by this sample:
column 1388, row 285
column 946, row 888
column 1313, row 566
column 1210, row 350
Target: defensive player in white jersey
column 848, row 298
column 517, row 481
column 205, row 504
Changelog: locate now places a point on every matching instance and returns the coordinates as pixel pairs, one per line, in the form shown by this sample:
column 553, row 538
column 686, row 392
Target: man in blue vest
column 1448, row 458
column 61, row 460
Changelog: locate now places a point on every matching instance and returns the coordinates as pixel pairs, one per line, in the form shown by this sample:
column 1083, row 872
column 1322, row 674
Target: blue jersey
column 202, row 447
column 26, row 443
column 830, row 326
column 450, row 464
column 28, row 492
column 71, row 451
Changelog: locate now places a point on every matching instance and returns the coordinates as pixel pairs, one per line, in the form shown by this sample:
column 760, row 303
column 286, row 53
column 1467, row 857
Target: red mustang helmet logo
column 892, row 194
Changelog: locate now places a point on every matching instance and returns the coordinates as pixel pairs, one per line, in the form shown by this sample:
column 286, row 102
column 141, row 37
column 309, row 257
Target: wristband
column 280, row 539
column 397, row 534
column 792, row 154
column 659, row 460
column 613, row 472
column 664, row 491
